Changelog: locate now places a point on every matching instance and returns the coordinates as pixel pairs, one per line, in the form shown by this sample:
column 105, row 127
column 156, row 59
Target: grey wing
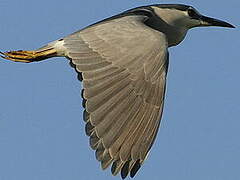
column 124, row 66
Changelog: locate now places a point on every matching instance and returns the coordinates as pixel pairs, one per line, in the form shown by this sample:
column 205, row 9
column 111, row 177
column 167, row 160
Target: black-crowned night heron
column 123, row 62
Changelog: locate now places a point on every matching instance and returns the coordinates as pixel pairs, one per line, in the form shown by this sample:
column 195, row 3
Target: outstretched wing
column 123, row 64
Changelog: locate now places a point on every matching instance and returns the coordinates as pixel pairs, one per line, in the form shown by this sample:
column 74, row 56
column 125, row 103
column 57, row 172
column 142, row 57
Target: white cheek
column 194, row 23
column 174, row 17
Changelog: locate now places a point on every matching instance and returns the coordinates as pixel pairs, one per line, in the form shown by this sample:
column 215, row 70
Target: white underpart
column 58, row 45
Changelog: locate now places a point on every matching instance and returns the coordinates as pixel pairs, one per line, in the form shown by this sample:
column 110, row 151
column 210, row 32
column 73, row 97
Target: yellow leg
column 28, row 56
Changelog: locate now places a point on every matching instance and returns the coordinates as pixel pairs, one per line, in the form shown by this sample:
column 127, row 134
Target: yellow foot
column 27, row 56
column 19, row 56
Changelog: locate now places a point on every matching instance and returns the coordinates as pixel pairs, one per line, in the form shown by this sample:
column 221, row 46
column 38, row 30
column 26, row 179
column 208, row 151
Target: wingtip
column 125, row 170
column 135, row 169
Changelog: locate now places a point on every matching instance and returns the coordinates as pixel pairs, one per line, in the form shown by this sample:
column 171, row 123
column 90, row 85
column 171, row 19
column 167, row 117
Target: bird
column 122, row 62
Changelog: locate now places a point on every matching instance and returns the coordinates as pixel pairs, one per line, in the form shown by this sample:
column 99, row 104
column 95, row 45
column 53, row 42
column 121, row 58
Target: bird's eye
column 192, row 13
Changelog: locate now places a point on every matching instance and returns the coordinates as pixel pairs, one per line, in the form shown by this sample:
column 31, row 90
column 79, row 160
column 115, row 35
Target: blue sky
column 41, row 129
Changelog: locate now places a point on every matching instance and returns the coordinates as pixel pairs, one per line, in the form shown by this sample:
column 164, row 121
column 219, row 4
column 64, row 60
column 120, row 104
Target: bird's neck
column 174, row 34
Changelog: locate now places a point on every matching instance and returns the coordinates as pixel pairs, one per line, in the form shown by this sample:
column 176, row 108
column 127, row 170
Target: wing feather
column 117, row 128
column 134, row 133
column 123, row 64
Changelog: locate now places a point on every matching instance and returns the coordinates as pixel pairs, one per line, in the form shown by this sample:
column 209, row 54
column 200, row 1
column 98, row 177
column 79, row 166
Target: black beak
column 207, row 21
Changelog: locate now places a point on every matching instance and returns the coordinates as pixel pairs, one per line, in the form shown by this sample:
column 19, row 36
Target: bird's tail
column 29, row 56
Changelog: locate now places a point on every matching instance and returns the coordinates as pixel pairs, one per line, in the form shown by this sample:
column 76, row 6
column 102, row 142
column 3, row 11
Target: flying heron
column 122, row 62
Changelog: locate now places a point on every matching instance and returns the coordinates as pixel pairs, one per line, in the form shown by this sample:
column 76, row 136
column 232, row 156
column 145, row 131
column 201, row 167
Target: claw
column 16, row 60
column 18, row 56
column 27, row 56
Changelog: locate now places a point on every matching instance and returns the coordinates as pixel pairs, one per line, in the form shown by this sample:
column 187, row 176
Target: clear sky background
column 41, row 129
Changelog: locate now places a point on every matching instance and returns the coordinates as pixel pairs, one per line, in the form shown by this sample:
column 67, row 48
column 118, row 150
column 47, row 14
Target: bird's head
column 185, row 16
